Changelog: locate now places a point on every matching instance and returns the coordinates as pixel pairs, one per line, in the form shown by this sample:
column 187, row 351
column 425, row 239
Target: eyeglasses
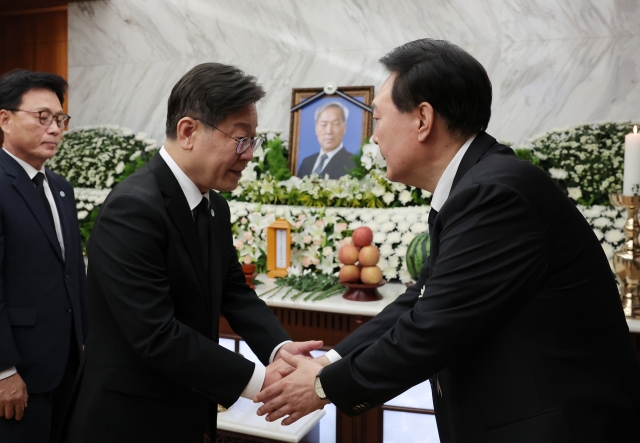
column 46, row 117
column 244, row 143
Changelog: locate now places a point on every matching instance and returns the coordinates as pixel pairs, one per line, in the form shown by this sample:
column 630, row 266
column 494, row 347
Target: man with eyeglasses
column 163, row 268
column 43, row 300
column 333, row 159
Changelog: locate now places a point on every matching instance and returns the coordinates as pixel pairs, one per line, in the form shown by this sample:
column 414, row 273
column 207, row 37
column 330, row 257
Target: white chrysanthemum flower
column 592, row 212
column 394, row 237
column 389, row 272
column 601, row 222
column 404, row 276
column 386, row 249
column 379, row 237
column 558, row 174
column 408, row 237
column 387, row 226
column 574, row 193
column 418, row 228
column 378, row 190
column 119, row 168
column 388, row 198
column 614, row 236
column 598, row 234
column 425, row 194
column 82, row 215
column 404, row 197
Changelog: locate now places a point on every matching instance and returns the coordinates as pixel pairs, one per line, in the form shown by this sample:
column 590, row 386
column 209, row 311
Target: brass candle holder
column 626, row 261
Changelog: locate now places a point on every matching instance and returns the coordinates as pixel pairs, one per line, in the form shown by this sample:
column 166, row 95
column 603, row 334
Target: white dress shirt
column 31, row 172
column 330, row 155
column 194, row 197
column 440, row 196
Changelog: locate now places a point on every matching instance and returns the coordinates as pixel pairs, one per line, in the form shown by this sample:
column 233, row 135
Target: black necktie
column 432, row 217
column 38, row 180
column 323, row 158
column 201, row 215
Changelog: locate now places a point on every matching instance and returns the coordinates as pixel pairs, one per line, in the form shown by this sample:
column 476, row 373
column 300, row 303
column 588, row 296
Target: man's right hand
column 13, row 397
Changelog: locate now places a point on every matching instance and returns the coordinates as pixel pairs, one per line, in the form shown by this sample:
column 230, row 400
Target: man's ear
column 4, row 120
column 426, row 119
column 185, row 132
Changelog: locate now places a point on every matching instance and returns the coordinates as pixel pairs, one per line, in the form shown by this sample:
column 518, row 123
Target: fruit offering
column 360, row 259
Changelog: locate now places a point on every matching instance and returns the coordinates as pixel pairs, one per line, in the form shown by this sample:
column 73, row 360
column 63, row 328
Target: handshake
column 288, row 388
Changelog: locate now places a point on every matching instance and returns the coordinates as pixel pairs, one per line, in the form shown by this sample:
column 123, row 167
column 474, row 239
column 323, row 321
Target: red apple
column 371, row 275
column 369, row 256
column 362, row 236
column 349, row 274
column 348, row 255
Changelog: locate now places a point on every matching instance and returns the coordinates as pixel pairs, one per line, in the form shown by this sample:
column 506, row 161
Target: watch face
column 319, row 390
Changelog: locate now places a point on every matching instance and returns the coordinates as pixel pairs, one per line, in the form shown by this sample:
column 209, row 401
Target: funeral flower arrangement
column 318, row 233
column 366, row 186
column 96, row 158
column 585, row 160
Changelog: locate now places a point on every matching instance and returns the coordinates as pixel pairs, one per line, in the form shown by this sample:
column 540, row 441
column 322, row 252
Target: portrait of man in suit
column 516, row 318
column 163, row 269
column 43, row 300
column 333, row 159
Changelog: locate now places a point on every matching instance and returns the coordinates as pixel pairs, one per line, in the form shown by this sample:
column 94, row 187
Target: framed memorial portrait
column 328, row 126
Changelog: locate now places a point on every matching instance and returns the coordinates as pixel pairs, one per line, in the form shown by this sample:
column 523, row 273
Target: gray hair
column 343, row 108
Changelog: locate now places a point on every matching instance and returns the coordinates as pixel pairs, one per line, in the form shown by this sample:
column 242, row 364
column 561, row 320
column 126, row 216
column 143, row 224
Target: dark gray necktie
column 323, row 158
column 38, row 180
column 432, row 217
column 201, row 216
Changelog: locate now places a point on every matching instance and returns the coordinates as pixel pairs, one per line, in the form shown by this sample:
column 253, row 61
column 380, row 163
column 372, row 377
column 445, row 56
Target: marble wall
column 552, row 63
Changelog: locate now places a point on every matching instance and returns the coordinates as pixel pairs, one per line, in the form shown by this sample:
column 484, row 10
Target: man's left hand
column 295, row 394
column 303, row 348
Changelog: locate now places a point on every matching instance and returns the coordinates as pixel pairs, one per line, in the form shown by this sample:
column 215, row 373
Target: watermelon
column 417, row 254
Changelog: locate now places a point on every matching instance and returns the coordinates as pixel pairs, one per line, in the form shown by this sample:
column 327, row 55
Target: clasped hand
column 293, row 396
column 13, row 397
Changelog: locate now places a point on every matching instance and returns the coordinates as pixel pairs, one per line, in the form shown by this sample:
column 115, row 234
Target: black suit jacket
column 520, row 323
column 42, row 294
column 339, row 165
column 153, row 368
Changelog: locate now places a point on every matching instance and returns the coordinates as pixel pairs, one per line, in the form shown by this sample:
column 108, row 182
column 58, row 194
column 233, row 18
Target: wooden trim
column 405, row 409
column 34, row 11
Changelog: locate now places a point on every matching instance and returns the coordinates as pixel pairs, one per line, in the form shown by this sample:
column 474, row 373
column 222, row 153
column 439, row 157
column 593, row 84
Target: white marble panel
column 126, row 31
column 552, row 62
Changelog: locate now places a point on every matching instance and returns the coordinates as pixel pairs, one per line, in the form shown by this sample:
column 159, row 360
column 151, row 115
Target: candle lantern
column 278, row 248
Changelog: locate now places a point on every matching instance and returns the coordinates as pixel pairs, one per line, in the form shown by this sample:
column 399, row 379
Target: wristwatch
column 318, row 387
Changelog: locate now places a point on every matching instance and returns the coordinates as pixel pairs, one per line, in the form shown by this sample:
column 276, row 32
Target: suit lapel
column 27, row 190
column 178, row 210
column 479, row 146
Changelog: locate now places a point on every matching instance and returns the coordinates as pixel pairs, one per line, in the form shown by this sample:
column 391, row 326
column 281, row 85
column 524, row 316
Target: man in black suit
column 163, row 268
column 43, row 300
column 333, row 159
column 516, row 318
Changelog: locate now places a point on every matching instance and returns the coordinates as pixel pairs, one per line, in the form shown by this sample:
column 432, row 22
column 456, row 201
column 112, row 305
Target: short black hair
column 210, row 92
column 445, row 76
column 17, row 82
